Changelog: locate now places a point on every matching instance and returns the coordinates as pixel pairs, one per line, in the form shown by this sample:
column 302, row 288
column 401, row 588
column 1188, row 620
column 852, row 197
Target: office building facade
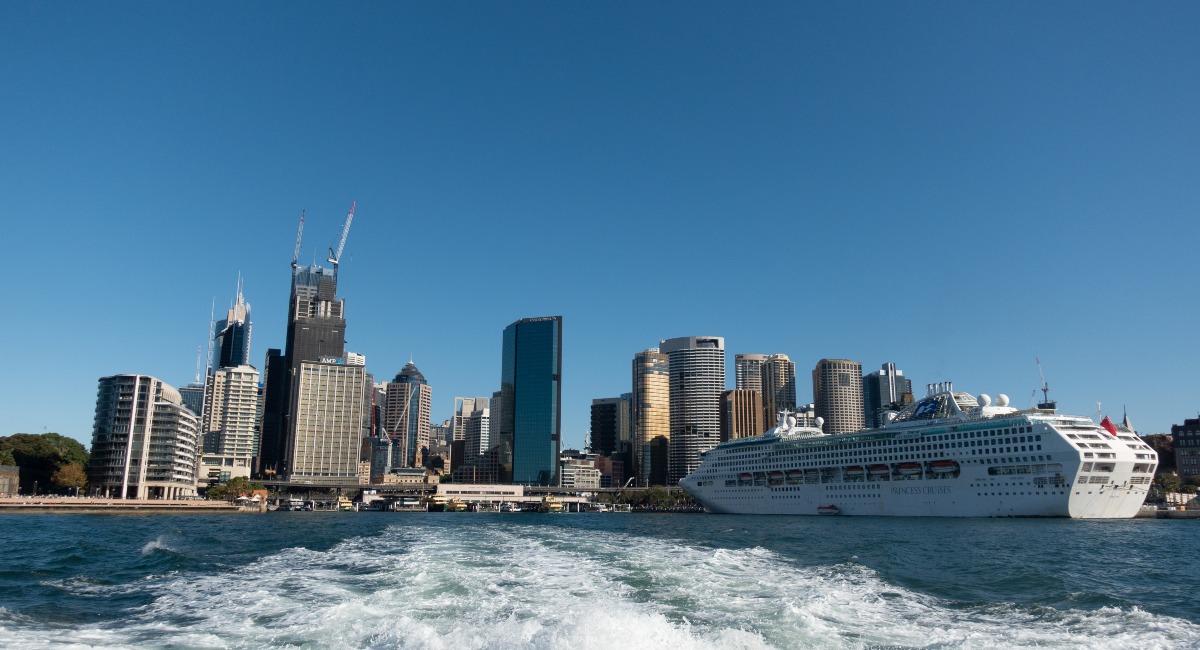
column 747, row 371
column 330, row 422
column 231, row 335
column 778, row 375
column 742, row 414
column 697, row 372
column 409, row 402
column 230, row 424
column 883, row 390
column 651, row 406
column 838, row 394
column 529, row 429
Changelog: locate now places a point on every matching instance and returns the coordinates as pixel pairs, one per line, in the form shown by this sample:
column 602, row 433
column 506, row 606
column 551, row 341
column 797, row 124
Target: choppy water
column 463, row 581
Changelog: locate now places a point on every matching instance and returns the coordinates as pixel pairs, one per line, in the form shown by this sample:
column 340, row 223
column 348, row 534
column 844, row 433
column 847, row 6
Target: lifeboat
column 827, row 510
column 745, row 478
column 908, row 469
column 853, row 470
column 879, row 470
column 795, row 476
column 943, row 466
column 776, row 477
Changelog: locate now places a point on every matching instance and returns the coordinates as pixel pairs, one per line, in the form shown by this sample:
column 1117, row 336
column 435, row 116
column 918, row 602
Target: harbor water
column 483, row 580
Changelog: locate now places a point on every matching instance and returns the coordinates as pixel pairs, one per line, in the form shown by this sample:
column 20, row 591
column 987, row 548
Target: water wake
column 528, row 586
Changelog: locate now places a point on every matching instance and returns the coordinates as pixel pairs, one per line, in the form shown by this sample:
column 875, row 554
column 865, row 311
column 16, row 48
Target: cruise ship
column 951, row 454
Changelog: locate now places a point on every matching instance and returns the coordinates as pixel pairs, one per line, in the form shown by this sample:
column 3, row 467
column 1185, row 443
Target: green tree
column 6, row 457
column 70, row 475
column 41, row 455
column 47, row 451
column 233, row 488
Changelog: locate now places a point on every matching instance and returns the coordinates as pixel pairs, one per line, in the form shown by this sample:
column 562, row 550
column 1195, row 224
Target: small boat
column 908, row 469
column 827, row 510
column 550, row 504
column 775, row 477
column 943, row 466
column 853, row 470
column 879, row 470
column 745, row 478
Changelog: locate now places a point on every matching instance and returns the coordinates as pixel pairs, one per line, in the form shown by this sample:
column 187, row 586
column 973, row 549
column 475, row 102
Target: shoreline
column 92, row 506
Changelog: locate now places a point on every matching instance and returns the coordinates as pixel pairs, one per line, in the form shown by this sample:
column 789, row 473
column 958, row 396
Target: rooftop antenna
column 212, row 334
column 199, row 350
column 1046, row 403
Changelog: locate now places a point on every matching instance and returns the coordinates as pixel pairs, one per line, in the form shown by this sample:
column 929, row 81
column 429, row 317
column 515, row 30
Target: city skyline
column 1033, row 165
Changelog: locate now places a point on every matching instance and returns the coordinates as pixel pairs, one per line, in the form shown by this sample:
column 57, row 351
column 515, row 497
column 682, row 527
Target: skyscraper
column 697, row 371
column 143, row 440
column 330, row 420
column 463, row 408
column 651, row 416
column 316, row 333
column 230, row 424
column 778, row 387
column 409, row 400
column 231, row 335
column 610, row 425
column 272, row 438
column 838, row 394
column 529, row 429
column 479, row 432
column 883, row 389
column 742, row 414
column 747, row 371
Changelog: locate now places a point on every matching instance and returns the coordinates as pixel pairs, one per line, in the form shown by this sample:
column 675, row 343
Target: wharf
column 1173, row 513
column 92, row 506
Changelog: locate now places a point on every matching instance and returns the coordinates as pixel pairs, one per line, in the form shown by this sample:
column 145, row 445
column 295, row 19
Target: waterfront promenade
column 89, row 505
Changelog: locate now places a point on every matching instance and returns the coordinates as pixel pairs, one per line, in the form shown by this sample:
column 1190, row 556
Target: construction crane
column 335, row 257
column 1046, row 402
column 299, row 234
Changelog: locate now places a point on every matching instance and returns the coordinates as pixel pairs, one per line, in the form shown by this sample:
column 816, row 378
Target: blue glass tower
column 531, row 401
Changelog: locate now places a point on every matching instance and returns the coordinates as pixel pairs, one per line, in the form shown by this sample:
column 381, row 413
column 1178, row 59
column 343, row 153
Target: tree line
column 46, row 460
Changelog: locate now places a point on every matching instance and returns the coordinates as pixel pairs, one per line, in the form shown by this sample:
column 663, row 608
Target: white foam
column 527, row 586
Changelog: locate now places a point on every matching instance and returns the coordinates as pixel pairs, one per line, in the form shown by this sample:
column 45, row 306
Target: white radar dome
column 985, row 399
column 791, row 421
column 1002, row 400
column 820, row 422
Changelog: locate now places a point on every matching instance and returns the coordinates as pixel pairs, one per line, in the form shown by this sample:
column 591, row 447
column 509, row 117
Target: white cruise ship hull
column 1016, row 464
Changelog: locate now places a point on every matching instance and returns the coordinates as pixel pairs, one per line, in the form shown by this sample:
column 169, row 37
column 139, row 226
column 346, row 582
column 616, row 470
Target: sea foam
column 512, row 585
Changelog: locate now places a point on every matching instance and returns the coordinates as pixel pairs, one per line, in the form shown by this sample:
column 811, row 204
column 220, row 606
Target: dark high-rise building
column 884, row 389
column 231, row 335
column 316, row 334
column 606, row 425
column 275, row 401
column 528, row 431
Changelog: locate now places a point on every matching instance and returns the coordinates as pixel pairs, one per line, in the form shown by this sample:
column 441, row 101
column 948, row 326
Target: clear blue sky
column 954, row 187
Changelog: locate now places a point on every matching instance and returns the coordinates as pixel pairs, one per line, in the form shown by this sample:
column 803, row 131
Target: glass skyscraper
column 528, row 436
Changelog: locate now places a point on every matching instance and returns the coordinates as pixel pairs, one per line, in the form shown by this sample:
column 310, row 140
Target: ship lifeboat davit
column 827, row 510
column 943, row 466
column 908, row 469
column 879, row 470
